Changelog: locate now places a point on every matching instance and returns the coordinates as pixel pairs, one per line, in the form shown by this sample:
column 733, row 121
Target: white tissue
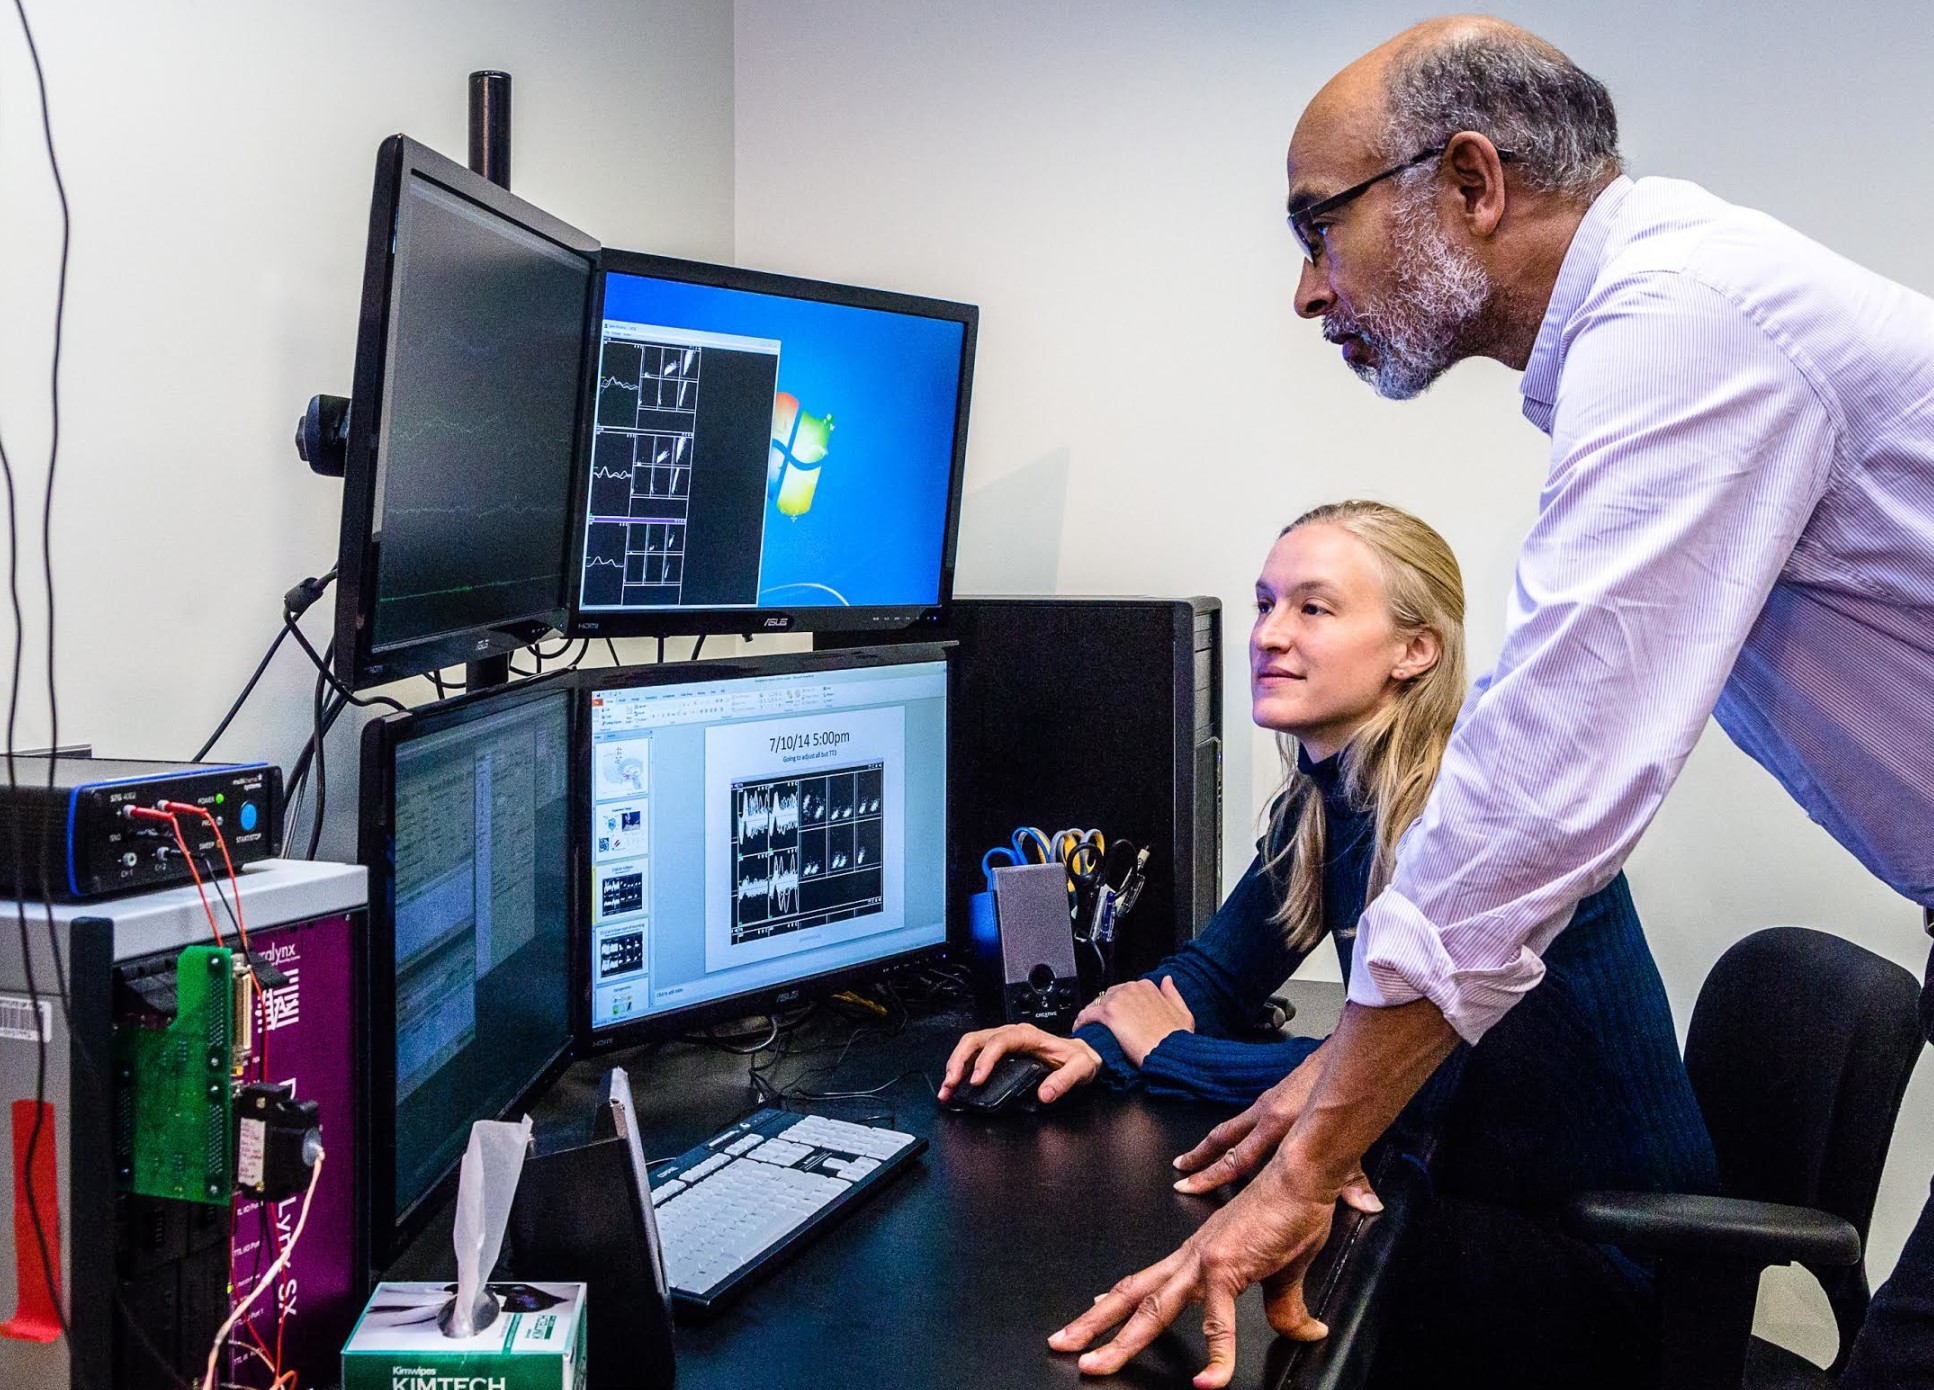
column 488, row 1182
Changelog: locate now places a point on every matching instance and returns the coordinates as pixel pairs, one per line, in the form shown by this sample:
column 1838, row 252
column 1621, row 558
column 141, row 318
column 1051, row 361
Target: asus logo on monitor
column 781, row 621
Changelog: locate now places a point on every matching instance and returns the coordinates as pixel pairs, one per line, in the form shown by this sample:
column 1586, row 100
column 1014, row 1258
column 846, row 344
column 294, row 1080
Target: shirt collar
column 1575, row 279
column 1330, row 782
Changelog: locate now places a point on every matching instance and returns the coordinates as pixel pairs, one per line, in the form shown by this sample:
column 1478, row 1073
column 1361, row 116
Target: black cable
column 771, row 1037
column 247, row 690
column 215, row 878
column 53, row 708
column 661, row 651
column 298, row 601
column 299, row 770
column 612, row 647
column 697, row 647
column 322, row 669
column 321, row 768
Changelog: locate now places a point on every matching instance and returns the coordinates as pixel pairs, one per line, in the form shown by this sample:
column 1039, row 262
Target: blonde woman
column 1357, row 661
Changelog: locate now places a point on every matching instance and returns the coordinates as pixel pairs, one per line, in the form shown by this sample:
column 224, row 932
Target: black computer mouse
column 1011, row 1085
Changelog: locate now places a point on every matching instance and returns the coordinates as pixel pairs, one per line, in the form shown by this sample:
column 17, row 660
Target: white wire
column 281, row 1261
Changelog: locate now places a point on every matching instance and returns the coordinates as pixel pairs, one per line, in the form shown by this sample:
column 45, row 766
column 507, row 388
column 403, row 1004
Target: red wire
column 275, row 1229
column 143, row 813
column 182, row 808
column 170, row 813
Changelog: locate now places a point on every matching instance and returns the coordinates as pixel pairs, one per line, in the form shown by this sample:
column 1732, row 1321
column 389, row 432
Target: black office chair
column 1800, row 1049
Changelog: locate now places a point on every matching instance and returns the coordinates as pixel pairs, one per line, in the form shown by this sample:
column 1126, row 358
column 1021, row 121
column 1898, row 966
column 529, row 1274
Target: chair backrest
column 1800, row 1048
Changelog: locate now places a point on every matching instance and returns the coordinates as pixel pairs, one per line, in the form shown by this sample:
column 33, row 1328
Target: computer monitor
column 463, row 425
column 758, row 833
column 768, row 453
column 466, row 834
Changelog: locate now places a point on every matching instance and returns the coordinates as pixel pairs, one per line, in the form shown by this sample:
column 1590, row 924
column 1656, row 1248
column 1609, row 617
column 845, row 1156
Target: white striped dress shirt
column 1738, row 521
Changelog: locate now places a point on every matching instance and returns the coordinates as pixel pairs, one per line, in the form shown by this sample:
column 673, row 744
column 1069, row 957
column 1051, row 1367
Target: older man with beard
column 1738, row 521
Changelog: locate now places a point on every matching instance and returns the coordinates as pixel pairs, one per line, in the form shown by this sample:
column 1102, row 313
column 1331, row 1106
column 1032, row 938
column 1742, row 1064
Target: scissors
column 1027, row 845
column 1067, row 842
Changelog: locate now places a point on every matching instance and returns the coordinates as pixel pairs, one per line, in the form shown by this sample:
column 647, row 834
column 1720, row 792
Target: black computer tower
column 1093, row 712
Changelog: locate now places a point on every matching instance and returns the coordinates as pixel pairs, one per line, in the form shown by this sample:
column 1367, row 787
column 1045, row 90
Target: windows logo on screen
column 799, row 443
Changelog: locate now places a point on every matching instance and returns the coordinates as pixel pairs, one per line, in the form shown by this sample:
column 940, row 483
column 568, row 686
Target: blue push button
column 248, row 815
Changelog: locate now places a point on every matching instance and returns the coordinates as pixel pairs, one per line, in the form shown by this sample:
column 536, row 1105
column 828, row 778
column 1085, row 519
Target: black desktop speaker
column 1036, row 969
column 1093, row 712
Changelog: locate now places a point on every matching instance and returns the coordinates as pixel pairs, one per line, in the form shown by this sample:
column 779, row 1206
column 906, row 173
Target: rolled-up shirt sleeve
column 1689, row 449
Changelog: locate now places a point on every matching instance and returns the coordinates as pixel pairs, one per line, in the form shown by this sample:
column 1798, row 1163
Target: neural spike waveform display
column 806, row 851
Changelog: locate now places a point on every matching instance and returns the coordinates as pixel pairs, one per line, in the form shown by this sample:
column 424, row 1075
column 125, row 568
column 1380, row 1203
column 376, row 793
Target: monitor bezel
column 767, row 999
column 673, row 622
column 358, row 665
column 391, row 1231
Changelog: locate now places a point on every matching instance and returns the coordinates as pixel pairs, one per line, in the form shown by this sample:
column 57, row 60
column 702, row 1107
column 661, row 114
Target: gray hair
column 1514, row 88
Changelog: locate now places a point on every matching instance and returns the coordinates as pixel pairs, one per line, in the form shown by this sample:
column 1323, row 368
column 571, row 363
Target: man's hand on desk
column 1372, row 1065
column 1268, row 1234
column 1237, row 1147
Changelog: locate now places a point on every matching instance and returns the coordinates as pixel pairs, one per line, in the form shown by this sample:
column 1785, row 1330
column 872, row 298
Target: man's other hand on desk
column 1242, row 1244
column 1140, row 1014
column 1237, row 1147
column 1074, row 1062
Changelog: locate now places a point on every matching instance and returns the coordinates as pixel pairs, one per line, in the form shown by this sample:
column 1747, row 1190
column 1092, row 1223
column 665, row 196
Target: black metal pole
column 490, row 126
column 489, row 156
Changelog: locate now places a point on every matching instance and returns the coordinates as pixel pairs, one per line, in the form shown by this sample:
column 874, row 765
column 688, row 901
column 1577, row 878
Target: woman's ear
column 1421, row 651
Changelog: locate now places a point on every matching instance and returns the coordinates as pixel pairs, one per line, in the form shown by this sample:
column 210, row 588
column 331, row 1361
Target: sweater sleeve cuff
column 1116, row 1069
column 1399, row 957
column 1183, row 1055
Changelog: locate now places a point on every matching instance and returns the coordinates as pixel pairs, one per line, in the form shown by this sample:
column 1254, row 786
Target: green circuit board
column 174, row 1105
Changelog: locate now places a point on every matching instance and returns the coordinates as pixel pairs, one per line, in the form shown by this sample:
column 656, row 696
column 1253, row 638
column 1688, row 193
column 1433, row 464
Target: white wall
column 218, row 157
column 1105, row 180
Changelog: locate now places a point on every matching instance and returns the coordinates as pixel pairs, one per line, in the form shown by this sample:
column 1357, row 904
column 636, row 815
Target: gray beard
column 1429, row 318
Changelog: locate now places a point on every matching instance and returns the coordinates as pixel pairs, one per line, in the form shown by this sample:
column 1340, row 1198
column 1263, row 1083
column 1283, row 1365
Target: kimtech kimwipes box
column 535, row 1343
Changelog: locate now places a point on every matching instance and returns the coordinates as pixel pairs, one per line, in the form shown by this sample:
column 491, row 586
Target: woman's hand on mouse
column 1140, row 1014
column 1074, row 1062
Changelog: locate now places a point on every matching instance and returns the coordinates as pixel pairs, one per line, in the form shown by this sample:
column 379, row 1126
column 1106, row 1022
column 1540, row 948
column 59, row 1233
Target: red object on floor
column 37, row 1316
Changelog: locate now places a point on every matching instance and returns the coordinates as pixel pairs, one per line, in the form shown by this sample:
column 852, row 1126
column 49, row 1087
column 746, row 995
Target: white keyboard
column 731, row 1205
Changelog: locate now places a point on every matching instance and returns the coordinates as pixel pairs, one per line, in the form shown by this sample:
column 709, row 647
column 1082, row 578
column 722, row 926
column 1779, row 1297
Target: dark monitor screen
column 766, row 447
column 773, row 824
column 463, row 429
column 466, row 834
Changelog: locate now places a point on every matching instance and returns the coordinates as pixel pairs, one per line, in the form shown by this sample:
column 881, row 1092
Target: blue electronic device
column 766, row 453
column 78, row 841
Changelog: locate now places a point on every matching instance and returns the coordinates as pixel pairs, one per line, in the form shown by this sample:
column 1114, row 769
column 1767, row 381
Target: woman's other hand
column 1140, row 1015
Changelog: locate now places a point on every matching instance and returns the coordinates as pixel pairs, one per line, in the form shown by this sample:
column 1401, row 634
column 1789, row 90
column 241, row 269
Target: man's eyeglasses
column 1302, row 222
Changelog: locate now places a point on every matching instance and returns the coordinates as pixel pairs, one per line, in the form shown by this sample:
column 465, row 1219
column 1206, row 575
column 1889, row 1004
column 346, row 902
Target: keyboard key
column 710, row 1165
column 662, row 1195
column 841, row 1136
column 782, row 1152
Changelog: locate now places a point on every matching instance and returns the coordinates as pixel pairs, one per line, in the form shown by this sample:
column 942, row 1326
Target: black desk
column 955, row 1274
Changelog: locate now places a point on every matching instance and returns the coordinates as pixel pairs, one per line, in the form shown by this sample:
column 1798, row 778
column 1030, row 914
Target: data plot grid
column 641, row 473
column 806, row 851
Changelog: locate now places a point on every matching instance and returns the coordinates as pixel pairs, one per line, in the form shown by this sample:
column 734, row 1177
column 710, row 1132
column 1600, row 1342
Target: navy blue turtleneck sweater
column 1580, row 1086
